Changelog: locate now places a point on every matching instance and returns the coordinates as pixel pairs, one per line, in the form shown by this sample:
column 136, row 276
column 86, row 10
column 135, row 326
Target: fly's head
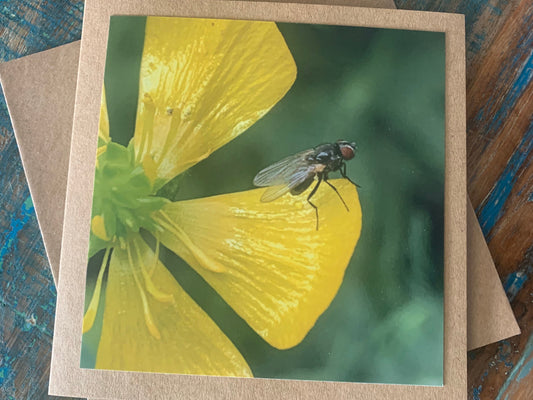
column 348, row 149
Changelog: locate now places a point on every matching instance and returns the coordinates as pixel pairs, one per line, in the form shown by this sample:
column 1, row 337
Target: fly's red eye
column 347, row 152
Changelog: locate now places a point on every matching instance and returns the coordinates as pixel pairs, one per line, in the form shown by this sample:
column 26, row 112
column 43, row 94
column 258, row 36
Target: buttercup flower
column 202, row 83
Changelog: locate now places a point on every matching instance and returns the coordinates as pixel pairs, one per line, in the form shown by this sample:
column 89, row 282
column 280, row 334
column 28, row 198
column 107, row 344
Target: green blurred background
column 383, row 89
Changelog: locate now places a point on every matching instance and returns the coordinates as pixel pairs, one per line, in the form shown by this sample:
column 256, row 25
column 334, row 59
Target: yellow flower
column 202, row 83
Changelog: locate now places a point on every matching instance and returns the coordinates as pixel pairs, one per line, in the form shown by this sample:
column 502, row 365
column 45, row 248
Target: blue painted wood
column 521, row 371
column 499, row 43
column 32, row 26
column 493, row 206
column 479, row 15
column 27, row 292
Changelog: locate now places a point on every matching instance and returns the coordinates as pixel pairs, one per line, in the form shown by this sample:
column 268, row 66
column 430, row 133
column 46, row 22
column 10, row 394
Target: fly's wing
column 284, row 175
column 299, row 177
column 280, row 173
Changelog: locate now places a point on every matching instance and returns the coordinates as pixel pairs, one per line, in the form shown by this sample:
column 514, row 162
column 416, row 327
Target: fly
column 296, row 173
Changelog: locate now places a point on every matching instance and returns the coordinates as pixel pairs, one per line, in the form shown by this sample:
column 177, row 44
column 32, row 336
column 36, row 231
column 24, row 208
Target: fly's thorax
column 328, row 158
column 334, row 164
column 325, row 153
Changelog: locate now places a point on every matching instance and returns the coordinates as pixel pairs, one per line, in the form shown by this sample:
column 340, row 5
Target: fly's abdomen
column 302, row 186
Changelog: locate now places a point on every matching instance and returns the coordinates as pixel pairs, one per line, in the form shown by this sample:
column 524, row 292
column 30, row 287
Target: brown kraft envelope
column 67, row 378
column 40, row 92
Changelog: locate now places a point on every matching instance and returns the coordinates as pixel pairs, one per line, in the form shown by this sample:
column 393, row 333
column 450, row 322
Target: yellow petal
column 274, row 268
column 203, row 82
column 103, row 125
column 150, row 168
column 146, row 332
column 92, row 309
column 98, row 227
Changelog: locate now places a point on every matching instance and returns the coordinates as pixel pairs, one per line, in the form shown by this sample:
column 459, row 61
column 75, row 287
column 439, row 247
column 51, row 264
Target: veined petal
column 103, row 125
column 267, row 260
column 203, row 82
column 144, row 331
column 92, row 309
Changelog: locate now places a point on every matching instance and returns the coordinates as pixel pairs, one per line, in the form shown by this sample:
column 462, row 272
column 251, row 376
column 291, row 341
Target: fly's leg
column 336, row 191
column 343, row 173
column 311, row 195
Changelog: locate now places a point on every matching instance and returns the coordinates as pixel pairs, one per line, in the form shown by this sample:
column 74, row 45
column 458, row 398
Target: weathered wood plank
column 500, row 144
column 483, row 20
column 27, row 26
column 499, row 42
column 519, row 385
column 504, row 370
column 499, row 74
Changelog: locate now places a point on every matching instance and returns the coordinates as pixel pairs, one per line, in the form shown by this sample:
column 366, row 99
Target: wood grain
column 500, row 145
column 500, row 174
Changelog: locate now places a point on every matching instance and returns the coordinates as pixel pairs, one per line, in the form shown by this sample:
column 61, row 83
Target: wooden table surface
column 499, row 43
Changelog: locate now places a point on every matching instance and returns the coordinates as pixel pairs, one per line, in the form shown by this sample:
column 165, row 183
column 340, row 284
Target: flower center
column 123, row 200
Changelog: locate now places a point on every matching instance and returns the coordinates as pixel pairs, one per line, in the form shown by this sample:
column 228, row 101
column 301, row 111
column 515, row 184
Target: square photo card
column 268, row 202
column 269, row 199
